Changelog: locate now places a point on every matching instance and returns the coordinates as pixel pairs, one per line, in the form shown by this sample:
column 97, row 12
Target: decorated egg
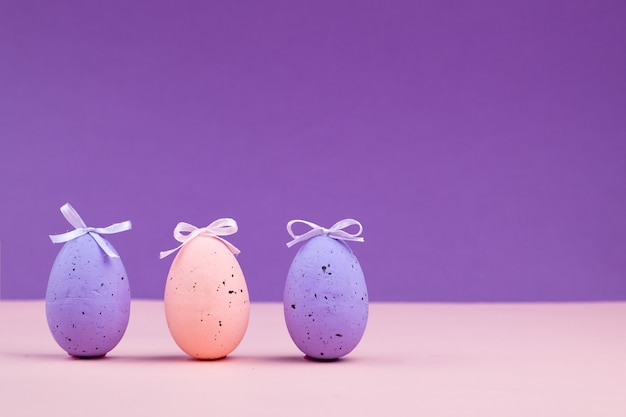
column 325, row 300
column 206, row 299
column 88, row 293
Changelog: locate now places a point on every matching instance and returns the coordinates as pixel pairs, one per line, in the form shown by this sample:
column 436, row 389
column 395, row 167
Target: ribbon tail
column 103, row 245
column 342, row 235
column 167, row 253
column 353, row 239
column 114, row 228
column 294, row 242
column 65, row 237
column 229, row 245
column 308, row 235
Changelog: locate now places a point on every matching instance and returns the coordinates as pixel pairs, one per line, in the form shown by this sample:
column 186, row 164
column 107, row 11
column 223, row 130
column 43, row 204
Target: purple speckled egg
column 87, row 299
column 325, row 299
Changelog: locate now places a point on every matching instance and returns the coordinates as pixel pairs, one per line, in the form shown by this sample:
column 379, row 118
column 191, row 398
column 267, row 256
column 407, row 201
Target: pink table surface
column 414, row 360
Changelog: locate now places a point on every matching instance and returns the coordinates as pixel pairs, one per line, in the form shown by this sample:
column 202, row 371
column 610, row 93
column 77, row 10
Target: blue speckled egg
column 87, row 299
column 325, row 299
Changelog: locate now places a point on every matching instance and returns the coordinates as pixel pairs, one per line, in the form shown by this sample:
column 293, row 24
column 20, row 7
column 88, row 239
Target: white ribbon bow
column 336, row 231
column 220, row 227
column 81, row 228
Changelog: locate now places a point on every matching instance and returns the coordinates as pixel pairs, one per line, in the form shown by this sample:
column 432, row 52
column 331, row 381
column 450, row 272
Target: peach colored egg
column 207, row 305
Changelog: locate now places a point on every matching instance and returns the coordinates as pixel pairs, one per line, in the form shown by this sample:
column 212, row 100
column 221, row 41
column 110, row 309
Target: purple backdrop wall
column 482, row 144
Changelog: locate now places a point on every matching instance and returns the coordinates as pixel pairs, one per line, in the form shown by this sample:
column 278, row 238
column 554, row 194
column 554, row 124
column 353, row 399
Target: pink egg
column 207, row 305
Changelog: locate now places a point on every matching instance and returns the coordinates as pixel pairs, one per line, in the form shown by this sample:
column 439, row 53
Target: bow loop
column 185, row 232
column 80, row 228
column 337, row 231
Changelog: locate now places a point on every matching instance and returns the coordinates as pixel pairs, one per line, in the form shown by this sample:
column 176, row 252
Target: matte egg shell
column 87, row 299
column 325, row 299
column 207, row 306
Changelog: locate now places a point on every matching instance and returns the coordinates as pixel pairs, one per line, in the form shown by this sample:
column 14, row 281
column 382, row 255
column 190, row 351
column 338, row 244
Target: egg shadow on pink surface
column 293, row 359
column 58, row 356
column 181, row 358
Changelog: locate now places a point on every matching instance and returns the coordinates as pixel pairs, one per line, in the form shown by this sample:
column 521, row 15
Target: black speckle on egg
column 293, row 306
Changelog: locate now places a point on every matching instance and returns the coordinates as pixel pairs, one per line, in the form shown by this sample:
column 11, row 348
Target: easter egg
column 207, row 305
column 325, row 299
column 87, row 298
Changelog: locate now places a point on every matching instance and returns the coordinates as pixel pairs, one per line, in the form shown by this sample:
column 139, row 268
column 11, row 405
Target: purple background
column 481, row 144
